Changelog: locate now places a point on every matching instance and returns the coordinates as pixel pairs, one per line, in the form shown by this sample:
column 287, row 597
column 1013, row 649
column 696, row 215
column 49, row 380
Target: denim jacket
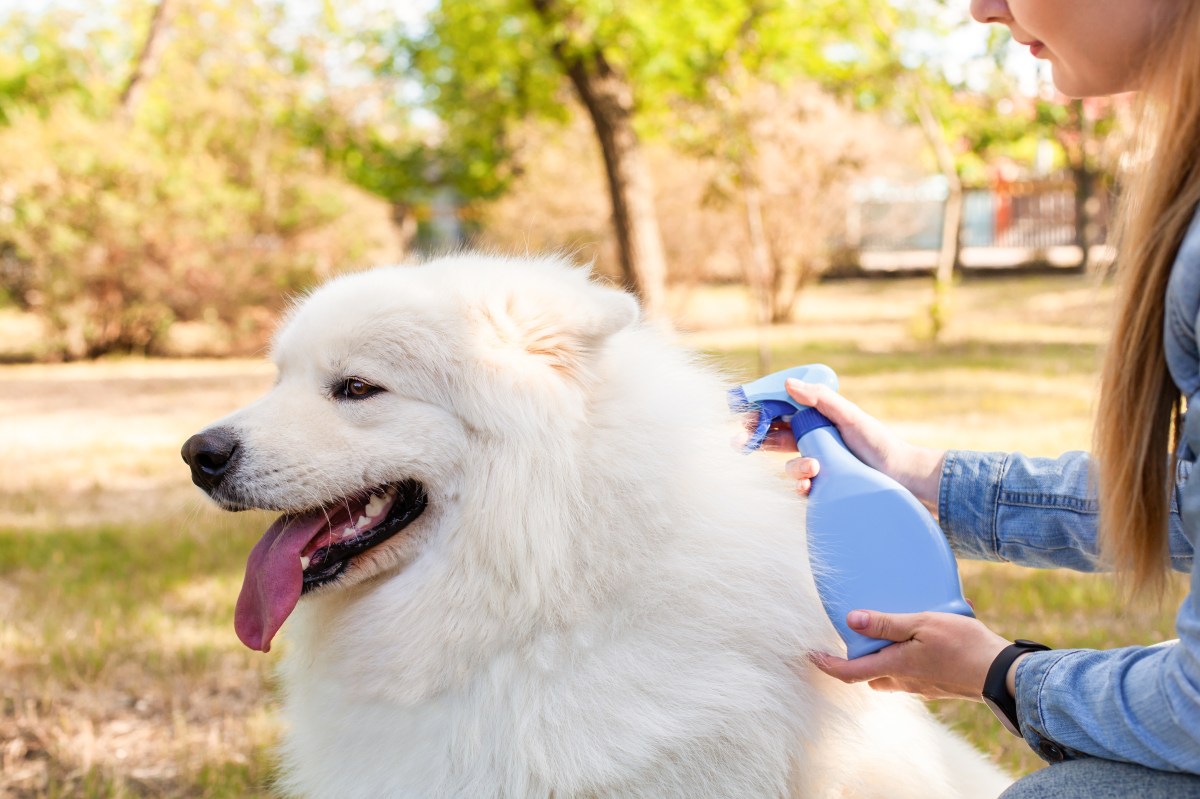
column 1139, row 704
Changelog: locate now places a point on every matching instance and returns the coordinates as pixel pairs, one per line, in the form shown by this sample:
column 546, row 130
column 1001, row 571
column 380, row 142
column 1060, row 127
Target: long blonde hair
column 1139, row 404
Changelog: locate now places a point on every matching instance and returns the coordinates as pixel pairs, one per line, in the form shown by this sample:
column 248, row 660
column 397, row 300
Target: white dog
column 533, row 565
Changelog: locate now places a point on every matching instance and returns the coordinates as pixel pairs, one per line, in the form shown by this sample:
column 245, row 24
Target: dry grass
column 119, row 671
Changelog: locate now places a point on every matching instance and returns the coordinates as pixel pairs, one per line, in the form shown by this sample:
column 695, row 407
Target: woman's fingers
column 916, row 468
column 876, row 666
column 802, row 468
column 866, row 436
column 936, row 654
column 831, row 404
column 779, row 438
column 885, row 626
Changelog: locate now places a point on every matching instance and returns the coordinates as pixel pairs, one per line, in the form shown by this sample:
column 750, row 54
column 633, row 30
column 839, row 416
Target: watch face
column 999, row 713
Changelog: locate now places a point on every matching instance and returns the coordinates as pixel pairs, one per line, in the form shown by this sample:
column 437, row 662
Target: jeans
column 1093, row 778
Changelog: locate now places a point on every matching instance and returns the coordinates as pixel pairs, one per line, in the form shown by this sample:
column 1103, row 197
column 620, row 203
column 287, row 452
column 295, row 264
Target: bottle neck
column 807, row 420
column 818, row 437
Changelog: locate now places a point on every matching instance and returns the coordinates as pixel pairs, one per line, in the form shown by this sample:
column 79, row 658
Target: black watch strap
column 995, row 688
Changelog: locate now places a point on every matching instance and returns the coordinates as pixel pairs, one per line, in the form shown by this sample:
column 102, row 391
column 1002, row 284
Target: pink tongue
column 274, row 578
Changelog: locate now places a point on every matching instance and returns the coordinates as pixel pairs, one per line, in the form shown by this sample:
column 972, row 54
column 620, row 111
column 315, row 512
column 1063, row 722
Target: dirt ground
column 100, row 441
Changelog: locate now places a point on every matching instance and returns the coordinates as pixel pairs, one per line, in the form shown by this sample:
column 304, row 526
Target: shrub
column 111, row 233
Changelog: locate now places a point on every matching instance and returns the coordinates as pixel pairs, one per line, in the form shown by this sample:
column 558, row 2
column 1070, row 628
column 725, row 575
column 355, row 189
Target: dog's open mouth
column 304, row 551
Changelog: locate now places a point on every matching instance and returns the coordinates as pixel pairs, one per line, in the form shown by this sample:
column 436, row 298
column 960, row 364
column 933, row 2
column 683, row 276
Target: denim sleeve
column 1038, row 512
column 1137, row 704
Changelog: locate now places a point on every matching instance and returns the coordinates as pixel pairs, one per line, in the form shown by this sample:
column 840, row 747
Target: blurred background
column 882, row 185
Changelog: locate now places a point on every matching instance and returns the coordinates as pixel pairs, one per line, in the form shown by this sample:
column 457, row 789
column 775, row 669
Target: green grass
column 120, row 641
column 923, row 360
column 211, row 781
column 173, row 579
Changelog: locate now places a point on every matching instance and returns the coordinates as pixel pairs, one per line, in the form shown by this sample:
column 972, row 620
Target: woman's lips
column 1035, row 47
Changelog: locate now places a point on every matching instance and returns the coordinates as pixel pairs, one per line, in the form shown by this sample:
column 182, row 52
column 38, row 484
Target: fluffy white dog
column 531, row 563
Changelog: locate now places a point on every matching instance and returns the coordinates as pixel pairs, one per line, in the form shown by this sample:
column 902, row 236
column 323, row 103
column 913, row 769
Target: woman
column 1125, row 722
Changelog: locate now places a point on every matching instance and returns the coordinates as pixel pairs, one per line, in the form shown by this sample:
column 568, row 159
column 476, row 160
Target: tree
column 781, row 158
column 959, row 125
column 147, row 59
column 754, row 117
column 607, row 94
column 487, row 64
column 205, row 204
column 950, row 249
column 969, row 127
column 1084, row 132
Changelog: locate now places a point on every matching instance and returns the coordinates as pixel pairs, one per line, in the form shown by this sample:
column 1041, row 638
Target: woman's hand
column 919, row 469
column 938, row 655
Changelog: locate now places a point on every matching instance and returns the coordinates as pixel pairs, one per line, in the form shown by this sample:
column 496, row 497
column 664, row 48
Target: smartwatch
column 995, row 687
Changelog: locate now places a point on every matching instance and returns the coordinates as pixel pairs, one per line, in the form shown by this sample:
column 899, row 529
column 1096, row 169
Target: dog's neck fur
column 542, row 558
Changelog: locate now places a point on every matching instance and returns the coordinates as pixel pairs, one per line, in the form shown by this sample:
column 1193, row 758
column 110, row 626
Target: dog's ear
column 560, row 322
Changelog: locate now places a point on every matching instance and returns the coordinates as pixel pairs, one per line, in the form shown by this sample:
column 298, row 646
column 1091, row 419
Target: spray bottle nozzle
column 768, row 395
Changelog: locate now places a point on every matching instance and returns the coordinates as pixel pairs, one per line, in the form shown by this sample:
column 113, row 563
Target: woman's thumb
column 819, row 396
column 884, row 626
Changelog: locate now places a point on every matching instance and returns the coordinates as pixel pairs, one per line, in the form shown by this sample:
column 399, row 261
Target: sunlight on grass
column 158, row 590
column 121, row 639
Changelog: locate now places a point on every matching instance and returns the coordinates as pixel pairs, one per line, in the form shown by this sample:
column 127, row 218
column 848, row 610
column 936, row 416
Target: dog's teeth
column 304, row 561
column 374, row 506
column 362, row 522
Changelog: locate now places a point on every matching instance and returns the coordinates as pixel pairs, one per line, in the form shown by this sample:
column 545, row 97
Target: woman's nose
column 991, row 11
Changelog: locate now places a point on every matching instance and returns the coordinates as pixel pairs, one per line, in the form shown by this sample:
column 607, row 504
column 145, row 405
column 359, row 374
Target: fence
column 899, row 226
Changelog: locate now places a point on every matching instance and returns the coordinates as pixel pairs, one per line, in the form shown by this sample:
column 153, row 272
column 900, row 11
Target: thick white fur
column 603, row 598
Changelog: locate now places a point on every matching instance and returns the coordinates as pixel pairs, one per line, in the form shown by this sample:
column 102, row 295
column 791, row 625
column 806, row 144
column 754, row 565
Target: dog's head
column 389, row 381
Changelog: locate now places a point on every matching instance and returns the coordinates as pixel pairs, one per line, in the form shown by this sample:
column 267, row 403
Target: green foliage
column 488, row 65
column 224, row 192
column 38, row 67
column 117, row 235
column 483, row 66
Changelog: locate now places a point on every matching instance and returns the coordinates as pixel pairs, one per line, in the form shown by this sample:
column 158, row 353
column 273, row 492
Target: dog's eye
column 357, row 388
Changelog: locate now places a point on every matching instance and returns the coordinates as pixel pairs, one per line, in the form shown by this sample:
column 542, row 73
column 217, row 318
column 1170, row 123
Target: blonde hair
column 1139, row 404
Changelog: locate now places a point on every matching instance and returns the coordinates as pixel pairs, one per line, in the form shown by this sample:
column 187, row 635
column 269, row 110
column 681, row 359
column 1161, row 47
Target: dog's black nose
column 210, row 454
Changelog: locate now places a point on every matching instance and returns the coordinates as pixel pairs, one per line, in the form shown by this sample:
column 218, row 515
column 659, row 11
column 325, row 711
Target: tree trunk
column 147, row 61
column 948, row 255
column 608, row 98
column 952, row 214
column 761, row 281
column 1084, row 182
column 1083, row 218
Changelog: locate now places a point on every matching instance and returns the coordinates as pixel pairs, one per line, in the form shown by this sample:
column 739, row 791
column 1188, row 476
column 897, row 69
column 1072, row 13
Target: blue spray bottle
column 873, row 545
